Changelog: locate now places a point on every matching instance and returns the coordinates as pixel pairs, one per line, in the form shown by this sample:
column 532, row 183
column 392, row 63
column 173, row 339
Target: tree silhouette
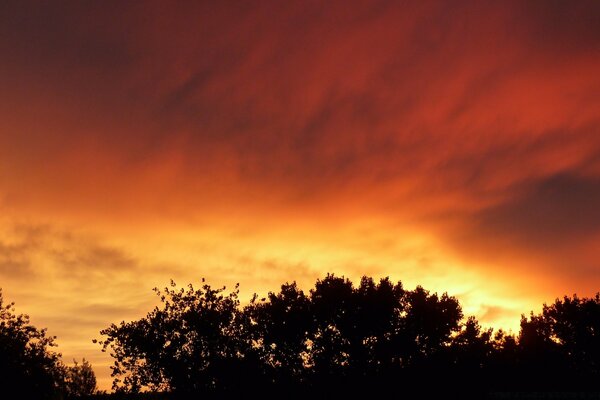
column 336, row 336
column 80, row 379
column 574, row 324
column 193, row 344
column 28, row 366
column 340, row 340
column 278, row 329
column 562, row 344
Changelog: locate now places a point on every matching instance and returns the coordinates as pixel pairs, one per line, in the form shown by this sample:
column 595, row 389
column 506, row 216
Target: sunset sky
column 451, row 144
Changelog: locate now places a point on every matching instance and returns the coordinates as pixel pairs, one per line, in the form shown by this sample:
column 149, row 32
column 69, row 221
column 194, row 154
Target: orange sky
column 450, row 144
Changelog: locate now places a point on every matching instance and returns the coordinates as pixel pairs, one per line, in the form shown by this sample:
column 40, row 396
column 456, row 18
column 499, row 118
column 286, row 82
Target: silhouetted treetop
column 184, row 346
column 566, row 335
column 29, row 368
column 340, row 340
column 198, row 338
column 80, row 380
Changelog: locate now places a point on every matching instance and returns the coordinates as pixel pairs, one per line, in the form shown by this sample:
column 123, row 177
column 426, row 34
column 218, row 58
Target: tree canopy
column 337, row 339
column 341, row 339
column 29, row 366
column 80, row 379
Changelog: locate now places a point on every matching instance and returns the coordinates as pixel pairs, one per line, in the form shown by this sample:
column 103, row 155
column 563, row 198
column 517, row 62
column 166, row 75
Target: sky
column 455, row 145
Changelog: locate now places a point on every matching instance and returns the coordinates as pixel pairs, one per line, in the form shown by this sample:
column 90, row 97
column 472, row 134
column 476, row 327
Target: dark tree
column 341, row 340
column 473, row 344
column 562, row 344
column 427, row 324
column 194, row 344
column 352, row 343
column 574, row 324
column 539, row 355
column 278, row 327
column 28, row 366
column 333, row 306
column 80, row 379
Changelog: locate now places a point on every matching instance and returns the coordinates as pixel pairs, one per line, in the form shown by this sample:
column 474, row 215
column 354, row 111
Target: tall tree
column 194, row 343
column 28, row 365
column 279, row 327
column 562, row 344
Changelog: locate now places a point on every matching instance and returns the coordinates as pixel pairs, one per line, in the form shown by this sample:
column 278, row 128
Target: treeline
column 337, row 340
column 341, row 339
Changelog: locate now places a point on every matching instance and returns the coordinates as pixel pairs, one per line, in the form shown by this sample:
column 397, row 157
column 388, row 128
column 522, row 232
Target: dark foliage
column 30, row 369
column 562, row 345
column 195, row 344
column 28, row 365
column 80, row 380
column 344, row 340
column 337, row 340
